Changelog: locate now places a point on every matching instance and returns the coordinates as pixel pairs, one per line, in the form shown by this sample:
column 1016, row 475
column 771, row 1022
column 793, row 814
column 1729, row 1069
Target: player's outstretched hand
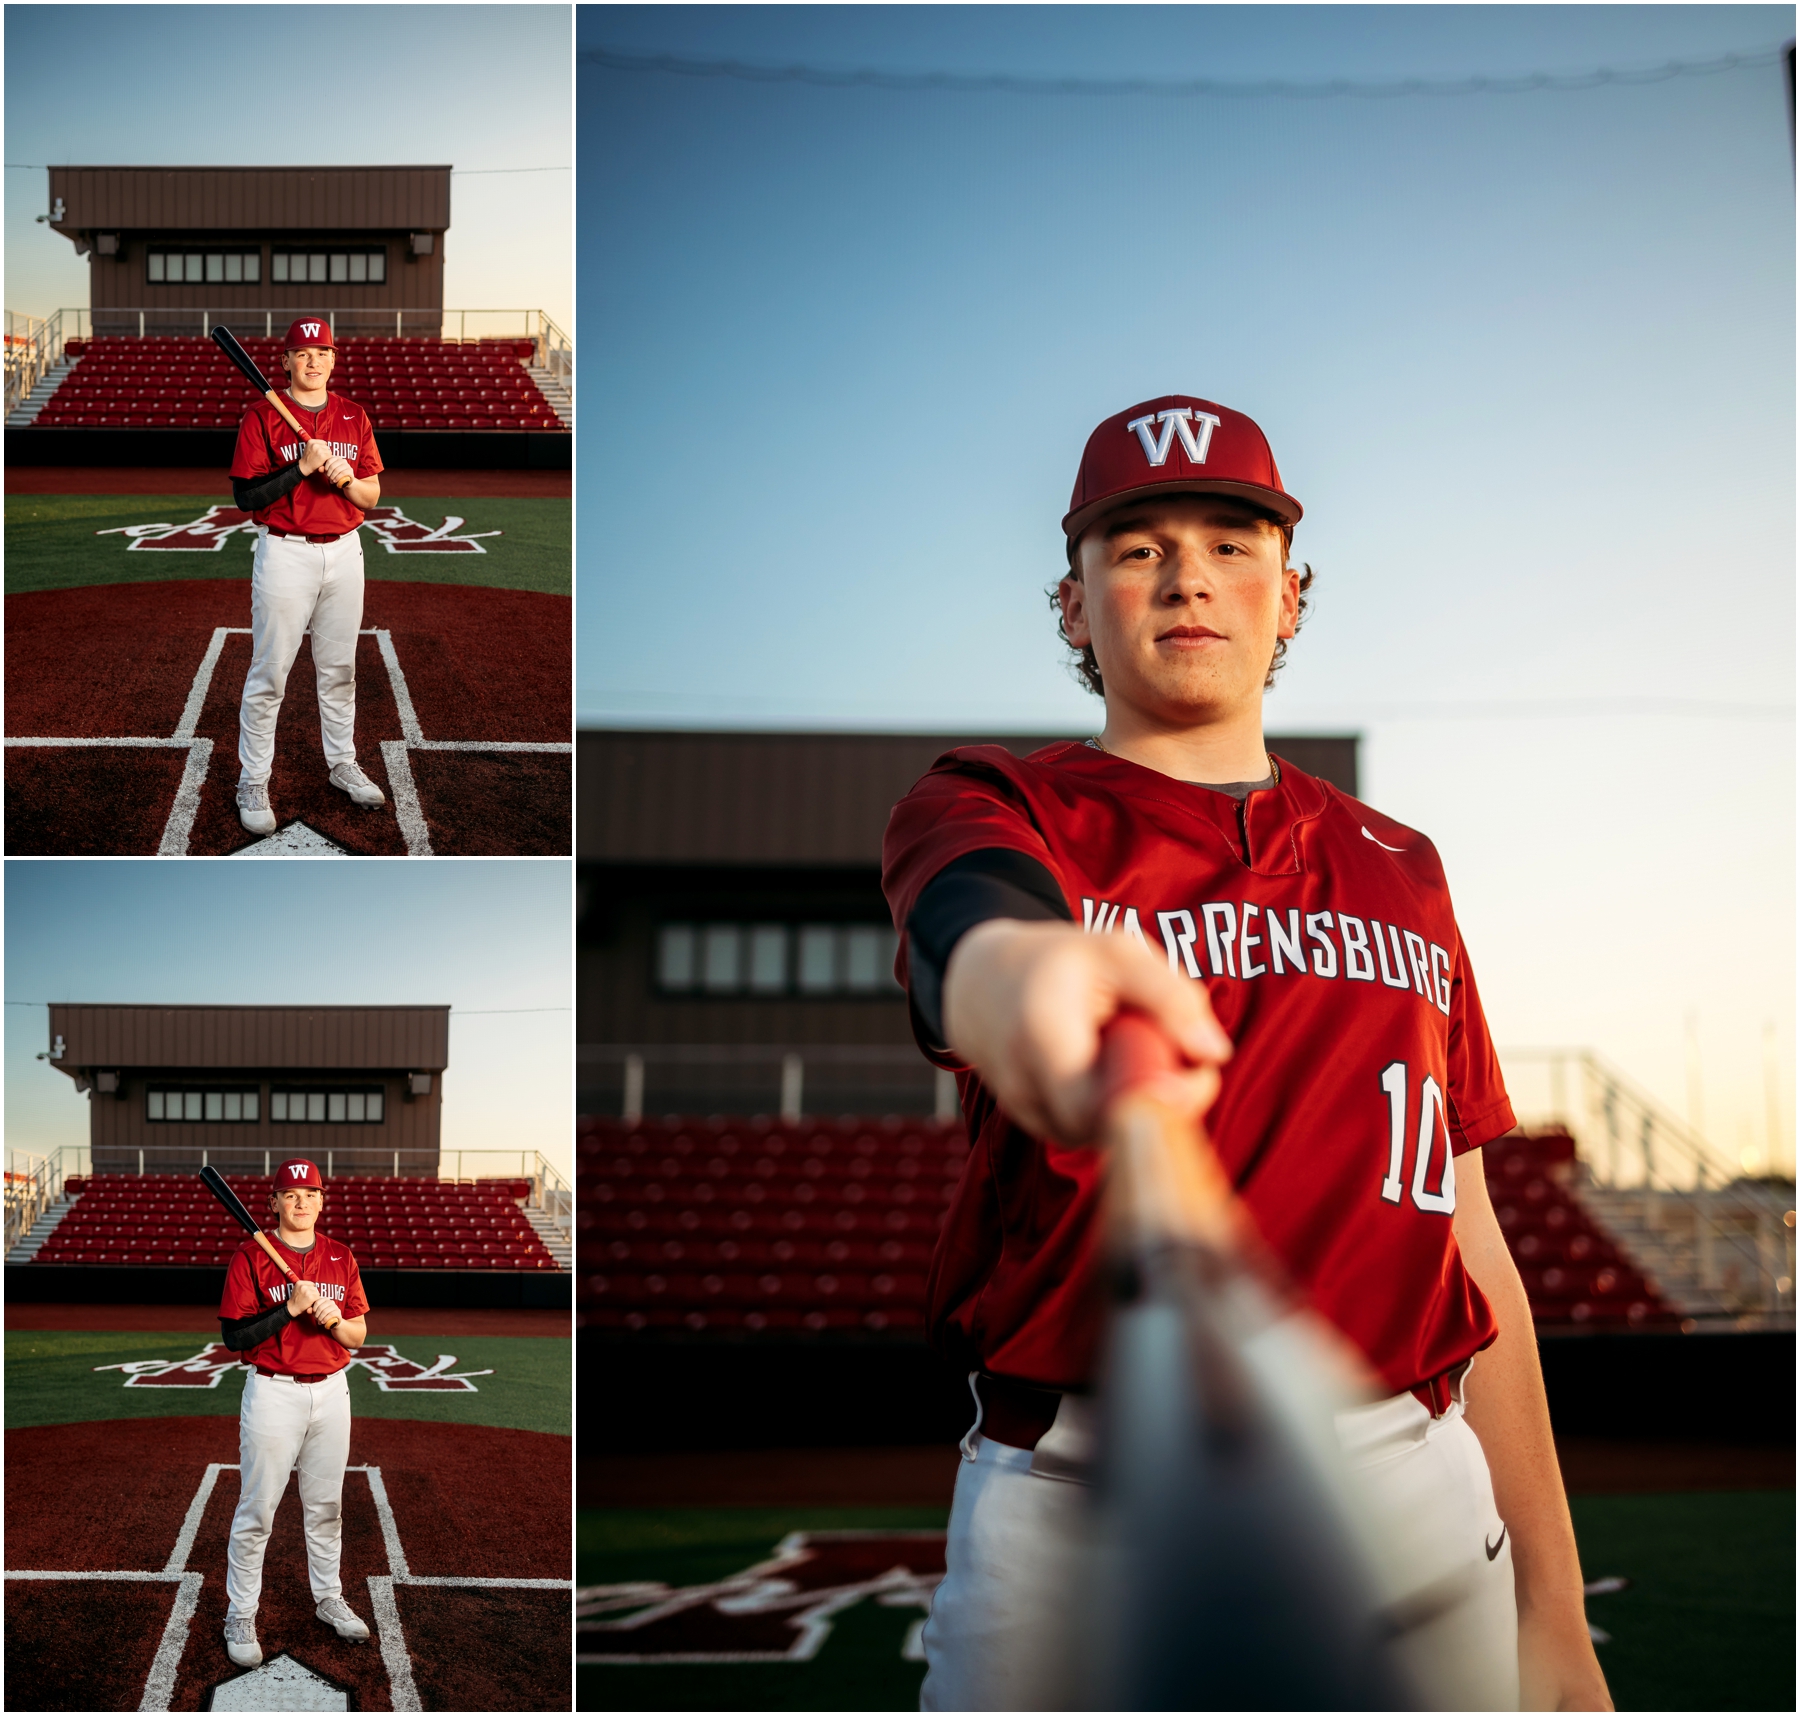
column 1024, row 1004
column 315, row 456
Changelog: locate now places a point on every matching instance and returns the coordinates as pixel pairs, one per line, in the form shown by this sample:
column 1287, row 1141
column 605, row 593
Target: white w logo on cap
column 1180, row 421
column 310, row 329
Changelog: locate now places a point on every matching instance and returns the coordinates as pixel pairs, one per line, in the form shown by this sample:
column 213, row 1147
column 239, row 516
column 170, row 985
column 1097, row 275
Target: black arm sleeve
column 243, row 1333
column 252, row 496
column 995, row 882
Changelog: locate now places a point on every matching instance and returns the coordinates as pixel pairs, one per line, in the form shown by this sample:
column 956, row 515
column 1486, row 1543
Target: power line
column 869, row 77
column 477, row 1012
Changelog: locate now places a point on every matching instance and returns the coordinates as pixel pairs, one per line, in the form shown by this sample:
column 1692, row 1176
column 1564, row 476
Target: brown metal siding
column 174, row 200
column 786, row 798
column 301, row 1038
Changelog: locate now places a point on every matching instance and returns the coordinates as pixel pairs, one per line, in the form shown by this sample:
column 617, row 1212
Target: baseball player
column 307, row 499
column 297, row 1339
column 1301, row 949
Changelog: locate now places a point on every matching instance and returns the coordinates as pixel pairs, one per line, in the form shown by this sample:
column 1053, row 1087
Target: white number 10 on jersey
column 1432, row 1126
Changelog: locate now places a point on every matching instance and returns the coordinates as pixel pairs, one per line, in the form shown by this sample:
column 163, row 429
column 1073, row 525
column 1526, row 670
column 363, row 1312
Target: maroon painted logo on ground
column 392, row 1373
column 780, row 1610
column 397, row 533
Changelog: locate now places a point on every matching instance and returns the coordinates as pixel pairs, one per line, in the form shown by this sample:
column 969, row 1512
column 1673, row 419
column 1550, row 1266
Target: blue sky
column 477, row 934
column 475, row 86
column 1527, row 360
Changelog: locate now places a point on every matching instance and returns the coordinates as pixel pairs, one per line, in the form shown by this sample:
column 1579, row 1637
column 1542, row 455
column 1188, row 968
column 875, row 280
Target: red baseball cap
column 309, row 331
column 297, row 1171
column 1181, row 445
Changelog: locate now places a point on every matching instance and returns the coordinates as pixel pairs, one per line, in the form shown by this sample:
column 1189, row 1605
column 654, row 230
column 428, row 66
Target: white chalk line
column 394, row 1655
column 159, row 1686
column 184, row 1539
column 408, row 812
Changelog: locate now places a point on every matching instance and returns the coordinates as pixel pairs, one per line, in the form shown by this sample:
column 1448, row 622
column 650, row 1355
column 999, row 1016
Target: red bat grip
column 1133, row 1051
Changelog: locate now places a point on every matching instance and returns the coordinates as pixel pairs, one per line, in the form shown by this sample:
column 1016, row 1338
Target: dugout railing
column 1722, row 1240
column 34, row 1183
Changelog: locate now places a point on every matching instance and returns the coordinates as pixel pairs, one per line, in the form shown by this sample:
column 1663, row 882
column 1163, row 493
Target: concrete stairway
column 555, row 391
column 555, row 1239
column 1661, row 1233
column 27, row 409
column 32, row 1241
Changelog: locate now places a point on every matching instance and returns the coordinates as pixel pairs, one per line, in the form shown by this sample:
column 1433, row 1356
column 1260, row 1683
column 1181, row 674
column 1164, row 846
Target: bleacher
column 1575, row 1274
column 388, row 1223
column 401, row 383
column 758, row 1226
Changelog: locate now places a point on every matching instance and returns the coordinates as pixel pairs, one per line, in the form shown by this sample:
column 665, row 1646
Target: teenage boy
column 1301, row 950
column 297, row 1339
column 307, row 498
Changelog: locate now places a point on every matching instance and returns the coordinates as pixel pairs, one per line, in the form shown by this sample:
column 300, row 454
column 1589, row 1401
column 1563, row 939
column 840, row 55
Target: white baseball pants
column 296, row 585
column 1015, row 1538
column 285, row 1425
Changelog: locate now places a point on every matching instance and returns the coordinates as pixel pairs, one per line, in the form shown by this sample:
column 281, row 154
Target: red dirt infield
column 467, row 1502
column 480, row 665
column 203, row 480
column 200, row 1319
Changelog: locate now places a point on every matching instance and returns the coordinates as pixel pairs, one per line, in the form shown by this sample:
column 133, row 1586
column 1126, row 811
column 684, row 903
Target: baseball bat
column 1232, row 1563
column 214, row 1182
column 227, row 342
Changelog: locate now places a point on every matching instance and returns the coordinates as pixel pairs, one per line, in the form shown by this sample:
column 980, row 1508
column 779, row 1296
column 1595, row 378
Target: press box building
column 359, row 1090
column 257, row 246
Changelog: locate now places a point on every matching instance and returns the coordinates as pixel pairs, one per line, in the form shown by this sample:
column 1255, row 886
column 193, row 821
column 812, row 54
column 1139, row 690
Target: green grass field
column 1707, row 1622
column 51, row 1379
column 860, row 1667
column 51, row 543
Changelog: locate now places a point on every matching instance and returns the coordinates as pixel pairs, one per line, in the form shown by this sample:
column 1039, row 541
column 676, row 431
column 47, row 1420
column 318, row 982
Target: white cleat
column 335, row 1612
column 253, row 807
column 347, row 777
column 240, row 1640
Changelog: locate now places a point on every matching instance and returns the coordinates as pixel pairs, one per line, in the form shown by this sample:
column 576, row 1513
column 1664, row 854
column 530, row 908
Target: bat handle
column 1133, row 1052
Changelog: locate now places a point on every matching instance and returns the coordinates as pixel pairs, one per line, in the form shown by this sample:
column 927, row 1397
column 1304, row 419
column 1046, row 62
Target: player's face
column 1182, row 600
column 299, row 1207
column 310, row 367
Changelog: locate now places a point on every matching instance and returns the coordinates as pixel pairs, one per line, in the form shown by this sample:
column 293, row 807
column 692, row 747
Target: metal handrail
column 1625, row 1140
column 34, row 346
column 789, row 1061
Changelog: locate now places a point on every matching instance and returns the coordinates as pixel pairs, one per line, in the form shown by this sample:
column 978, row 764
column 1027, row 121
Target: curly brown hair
column 1086, row 665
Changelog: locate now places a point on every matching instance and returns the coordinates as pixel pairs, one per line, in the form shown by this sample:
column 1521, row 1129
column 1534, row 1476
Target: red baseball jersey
column 265, row 443
column 253, row 1285
column 1324, row 934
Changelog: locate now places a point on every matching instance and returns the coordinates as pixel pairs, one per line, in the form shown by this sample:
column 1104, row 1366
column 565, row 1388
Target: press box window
column 775, row 959
column 204, row 267
column 226, row 1106
column 319, row 1107
column 329, row 267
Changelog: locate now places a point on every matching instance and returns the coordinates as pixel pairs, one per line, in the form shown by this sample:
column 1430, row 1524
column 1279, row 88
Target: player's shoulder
column 1001, row 761
column 1360, row 821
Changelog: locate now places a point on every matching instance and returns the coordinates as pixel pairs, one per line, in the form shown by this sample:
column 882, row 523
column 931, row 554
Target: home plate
column 285, row 843
column 282, row 1684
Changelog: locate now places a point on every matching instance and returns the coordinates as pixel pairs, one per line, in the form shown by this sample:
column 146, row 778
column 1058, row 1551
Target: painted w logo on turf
column 389, row 525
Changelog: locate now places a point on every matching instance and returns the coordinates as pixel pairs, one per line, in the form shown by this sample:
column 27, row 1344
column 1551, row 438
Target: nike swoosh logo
column 1382, row 843
column 1494, row 1549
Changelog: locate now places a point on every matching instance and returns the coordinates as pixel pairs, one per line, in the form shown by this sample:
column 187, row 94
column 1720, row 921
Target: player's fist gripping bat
column 1233, row 1564
column 214, row 1182
column 227, row 342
